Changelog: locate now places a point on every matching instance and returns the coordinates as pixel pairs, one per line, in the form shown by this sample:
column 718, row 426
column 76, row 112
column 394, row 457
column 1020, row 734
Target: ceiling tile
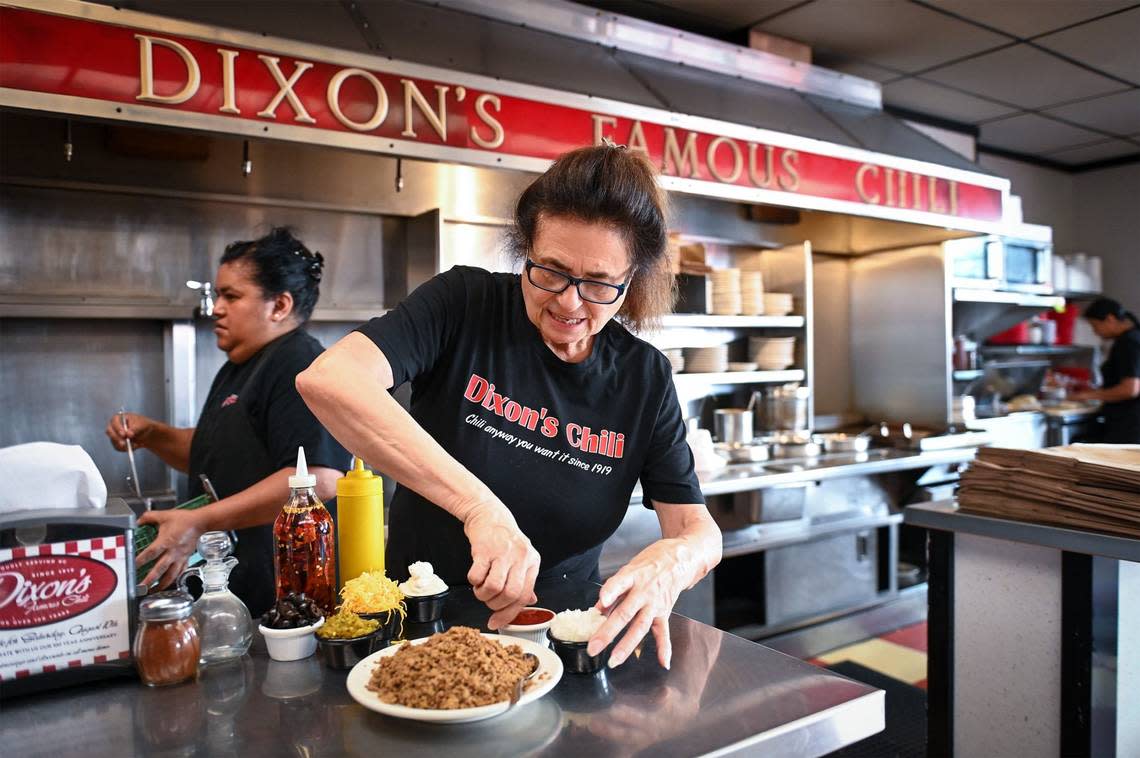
column 1024, row 76
column 892, row 33
column 934, row 99
column 1109, row 44
column 1119, row 113
column 1033, row 134
column 1026, row 18
column 1113, row 148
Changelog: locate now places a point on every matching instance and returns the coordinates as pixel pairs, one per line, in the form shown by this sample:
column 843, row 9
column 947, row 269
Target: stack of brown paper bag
column 1094, row 487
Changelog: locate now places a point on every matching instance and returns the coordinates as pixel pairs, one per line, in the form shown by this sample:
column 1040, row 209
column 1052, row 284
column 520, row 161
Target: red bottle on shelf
column 304, row 548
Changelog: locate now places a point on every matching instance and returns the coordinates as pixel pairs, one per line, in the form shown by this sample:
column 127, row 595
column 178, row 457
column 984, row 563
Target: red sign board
column 79, row 65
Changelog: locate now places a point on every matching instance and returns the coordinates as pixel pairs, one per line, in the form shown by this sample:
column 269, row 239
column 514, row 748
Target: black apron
column 227, row 449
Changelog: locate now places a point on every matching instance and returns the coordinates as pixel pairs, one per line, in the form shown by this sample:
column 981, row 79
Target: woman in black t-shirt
column 253, row 421
column 535, row 412
column 1121, row 391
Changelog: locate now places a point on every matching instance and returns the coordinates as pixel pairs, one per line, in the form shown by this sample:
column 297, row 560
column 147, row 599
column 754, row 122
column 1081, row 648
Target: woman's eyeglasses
column 590, row 290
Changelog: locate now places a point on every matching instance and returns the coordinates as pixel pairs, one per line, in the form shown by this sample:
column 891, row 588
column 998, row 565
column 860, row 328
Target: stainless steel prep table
column 722, row 695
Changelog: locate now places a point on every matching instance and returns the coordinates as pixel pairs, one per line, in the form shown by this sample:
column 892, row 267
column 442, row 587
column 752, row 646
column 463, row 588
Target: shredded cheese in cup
column 576, row 625
column 372, row 592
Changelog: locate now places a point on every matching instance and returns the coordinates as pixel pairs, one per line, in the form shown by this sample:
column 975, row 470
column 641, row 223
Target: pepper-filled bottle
column 360, row 513
column 223, row 619
column 304, row 547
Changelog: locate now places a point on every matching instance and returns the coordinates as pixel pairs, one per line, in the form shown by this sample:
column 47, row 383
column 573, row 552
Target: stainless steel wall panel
column 900, row 335
column 67, row 243
column 62, row 379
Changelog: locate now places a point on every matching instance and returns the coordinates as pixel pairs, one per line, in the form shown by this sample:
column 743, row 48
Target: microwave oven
column 1006, row 263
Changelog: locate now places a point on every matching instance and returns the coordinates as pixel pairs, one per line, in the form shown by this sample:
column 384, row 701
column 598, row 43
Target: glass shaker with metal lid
column 166, row 646
column 223, row 619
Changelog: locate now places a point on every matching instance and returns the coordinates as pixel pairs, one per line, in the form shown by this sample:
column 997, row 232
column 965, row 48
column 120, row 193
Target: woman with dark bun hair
column 535, row 411
column 1120, row 392
column 253, row 420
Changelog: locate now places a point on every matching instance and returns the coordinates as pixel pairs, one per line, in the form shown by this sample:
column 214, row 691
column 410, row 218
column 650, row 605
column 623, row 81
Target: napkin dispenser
column 67, row 589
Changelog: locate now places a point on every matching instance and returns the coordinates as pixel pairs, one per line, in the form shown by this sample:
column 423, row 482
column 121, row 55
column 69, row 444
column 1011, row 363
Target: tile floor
column 900, row 654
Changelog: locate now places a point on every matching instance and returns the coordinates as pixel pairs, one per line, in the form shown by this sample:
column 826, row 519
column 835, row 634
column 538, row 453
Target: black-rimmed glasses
column 590, row 290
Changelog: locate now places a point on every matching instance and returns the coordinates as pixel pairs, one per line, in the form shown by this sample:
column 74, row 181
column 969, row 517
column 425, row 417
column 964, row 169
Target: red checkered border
column 99, row 548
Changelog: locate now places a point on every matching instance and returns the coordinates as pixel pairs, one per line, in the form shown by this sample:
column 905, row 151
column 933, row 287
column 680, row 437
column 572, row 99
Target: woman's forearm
column 261, row 502
column 170, row 443
column 695, row 537
column 346, row 391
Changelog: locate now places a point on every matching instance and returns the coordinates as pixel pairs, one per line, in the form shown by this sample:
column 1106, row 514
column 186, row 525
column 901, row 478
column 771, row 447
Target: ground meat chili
column 458, row 668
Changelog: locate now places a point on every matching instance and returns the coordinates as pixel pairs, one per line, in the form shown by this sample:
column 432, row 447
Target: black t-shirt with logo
column 279, row 416
column 561, row 444
column 1122, row 418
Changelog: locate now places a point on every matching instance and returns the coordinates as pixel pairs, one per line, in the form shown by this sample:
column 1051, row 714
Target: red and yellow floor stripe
column 900, row 654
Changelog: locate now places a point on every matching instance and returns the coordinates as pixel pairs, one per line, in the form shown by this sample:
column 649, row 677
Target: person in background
column 252, row 422
column 534, row 410
column 1120, row 392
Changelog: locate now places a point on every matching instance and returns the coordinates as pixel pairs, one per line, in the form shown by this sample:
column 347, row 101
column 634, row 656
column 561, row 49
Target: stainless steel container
column 784, row 409
column 733, row 426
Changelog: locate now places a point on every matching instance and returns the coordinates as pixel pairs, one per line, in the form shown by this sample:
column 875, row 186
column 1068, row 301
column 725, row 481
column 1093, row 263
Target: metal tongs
column 133, row 479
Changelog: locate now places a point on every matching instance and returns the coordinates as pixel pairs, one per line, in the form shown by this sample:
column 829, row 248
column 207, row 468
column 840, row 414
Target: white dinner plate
column 549, row 672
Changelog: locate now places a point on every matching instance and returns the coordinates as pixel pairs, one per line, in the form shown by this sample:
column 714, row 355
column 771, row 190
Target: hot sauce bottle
column 304, row 552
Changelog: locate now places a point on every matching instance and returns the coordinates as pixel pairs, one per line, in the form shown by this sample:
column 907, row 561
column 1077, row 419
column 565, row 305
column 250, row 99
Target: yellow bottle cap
column 359, row 482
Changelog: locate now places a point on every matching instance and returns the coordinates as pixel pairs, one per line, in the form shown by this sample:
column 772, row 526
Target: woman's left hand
column 640, row 597
column 178, row 533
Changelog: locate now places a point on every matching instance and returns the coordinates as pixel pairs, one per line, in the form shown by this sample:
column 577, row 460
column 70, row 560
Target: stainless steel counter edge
column 945, row 516
column 743, row 477
column 821, row 733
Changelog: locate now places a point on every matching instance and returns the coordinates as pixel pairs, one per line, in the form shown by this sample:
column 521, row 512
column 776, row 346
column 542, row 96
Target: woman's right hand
column 504, row 564
column 136, row 430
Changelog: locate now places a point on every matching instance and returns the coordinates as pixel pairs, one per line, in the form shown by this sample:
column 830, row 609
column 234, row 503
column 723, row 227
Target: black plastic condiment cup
column 425, row 609
column 574, row 657
column 344, row 653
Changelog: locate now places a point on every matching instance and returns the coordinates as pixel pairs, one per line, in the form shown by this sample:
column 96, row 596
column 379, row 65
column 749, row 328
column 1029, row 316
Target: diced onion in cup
column 576, row 625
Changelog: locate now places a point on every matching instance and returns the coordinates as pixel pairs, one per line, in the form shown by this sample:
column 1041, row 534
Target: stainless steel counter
column 742, row 477
column 945, row 516
column 722, row 695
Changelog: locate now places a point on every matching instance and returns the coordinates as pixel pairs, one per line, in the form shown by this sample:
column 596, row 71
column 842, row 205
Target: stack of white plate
column 725, row 291
column 772, row 353
column 706, row 360
column 676, row 358
column 777, row 303
column 751, row 293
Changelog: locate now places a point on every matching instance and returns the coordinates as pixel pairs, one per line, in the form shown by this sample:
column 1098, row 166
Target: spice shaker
column 167, row 646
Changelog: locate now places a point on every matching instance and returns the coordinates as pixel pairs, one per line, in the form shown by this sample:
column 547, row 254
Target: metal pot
column 784, row 409
column 733, row 426
column 844, row 443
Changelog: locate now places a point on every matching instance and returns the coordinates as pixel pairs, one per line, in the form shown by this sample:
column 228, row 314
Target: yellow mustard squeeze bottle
column 360, row 513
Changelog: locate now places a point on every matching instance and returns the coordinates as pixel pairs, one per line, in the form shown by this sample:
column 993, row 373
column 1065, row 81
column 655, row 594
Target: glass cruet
column 225, row 623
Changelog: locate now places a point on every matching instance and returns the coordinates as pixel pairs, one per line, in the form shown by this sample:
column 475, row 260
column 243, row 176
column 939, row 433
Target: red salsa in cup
column 531, row 616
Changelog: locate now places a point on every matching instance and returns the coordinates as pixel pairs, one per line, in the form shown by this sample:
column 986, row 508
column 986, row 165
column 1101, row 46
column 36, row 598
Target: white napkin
column 49, row 475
